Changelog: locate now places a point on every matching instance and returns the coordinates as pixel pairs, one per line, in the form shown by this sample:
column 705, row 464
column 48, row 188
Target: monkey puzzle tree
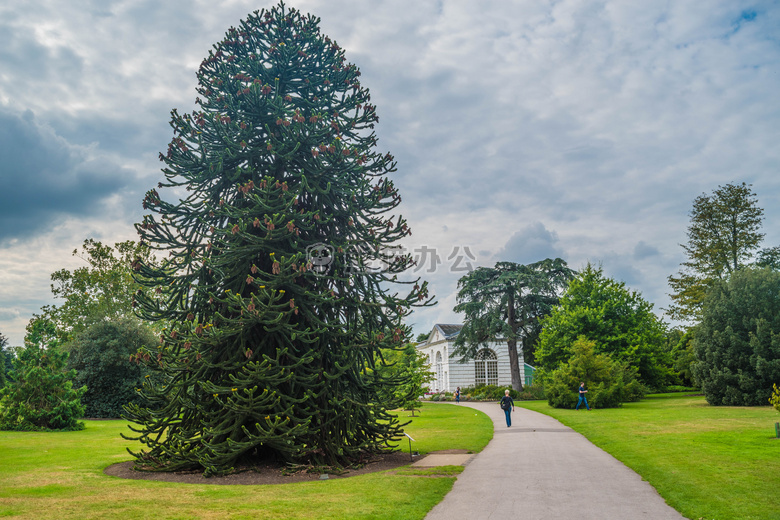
column 272, row 348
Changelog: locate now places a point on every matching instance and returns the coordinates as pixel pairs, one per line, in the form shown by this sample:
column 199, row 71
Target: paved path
column 541, row 469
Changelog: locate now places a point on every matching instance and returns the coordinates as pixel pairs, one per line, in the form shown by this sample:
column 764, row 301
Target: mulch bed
column 256, row 475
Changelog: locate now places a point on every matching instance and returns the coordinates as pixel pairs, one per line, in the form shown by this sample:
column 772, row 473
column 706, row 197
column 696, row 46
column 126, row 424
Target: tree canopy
column 505, row 302
column 619, row 321
column 281, row 259
column 737, row 343
column 101, row 290
column 5, row 360
column 411, row 371
column 100, row 356
column 723, row 236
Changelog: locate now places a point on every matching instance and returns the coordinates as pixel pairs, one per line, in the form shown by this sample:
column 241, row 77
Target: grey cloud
column 602, row 120
column 643, row 250
column 21, row 53
column 531, row 244
column 43, row 178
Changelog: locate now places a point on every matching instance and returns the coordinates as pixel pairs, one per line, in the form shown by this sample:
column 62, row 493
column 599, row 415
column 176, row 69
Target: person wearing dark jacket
column 582, row 397
column 508, row 405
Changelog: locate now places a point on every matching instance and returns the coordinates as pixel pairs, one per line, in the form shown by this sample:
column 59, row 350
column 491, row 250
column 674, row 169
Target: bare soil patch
column 256, row 475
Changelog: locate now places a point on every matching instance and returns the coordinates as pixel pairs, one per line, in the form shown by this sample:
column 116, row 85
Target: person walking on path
column 508, row 405
column 582, row 397
column 563, row 461
column 457, row 396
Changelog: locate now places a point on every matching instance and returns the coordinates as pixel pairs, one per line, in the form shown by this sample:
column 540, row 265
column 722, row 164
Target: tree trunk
column 514, row 362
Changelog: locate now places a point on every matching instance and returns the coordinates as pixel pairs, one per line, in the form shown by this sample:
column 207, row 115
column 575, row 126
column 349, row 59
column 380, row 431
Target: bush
column 488, row 392
column 678, row 388
column 609, row 383
column 775, row 399
column 532, row 393
column 101, row 358
column 40, row 396
column 738, row 359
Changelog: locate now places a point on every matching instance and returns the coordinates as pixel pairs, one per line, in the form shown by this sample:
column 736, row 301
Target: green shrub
column 609, row 383
column 531, row 393
column 738, row 359
column 40, row 396
column 488, row 392
column 775, row 399
column 101, row 358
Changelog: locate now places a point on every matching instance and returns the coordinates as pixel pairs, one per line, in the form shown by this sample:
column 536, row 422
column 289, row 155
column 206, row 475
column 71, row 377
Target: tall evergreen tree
column 506, row 302
column 722, row 237
column 736, row 344
column 5, row 360
column 40, row 395
column 280, row 261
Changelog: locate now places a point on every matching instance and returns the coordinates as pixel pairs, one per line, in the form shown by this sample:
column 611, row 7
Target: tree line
column 585, row 326
column 261, row 315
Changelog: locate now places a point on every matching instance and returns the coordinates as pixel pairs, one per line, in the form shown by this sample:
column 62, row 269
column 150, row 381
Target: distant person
column 508, row 405
column 457, row 396
column 582, row 397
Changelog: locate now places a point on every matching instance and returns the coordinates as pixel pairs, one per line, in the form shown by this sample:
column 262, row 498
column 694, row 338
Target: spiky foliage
column 279, row 261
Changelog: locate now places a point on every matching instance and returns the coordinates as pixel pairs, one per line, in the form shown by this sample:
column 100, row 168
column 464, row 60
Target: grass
column 60, row 475
column 431, row 472
column 470, row 431
column 707, row 462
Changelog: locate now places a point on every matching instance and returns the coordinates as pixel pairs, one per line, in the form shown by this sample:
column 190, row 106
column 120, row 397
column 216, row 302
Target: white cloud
column 600, row 119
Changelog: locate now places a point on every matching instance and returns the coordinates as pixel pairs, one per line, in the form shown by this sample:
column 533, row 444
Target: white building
column 490, row 366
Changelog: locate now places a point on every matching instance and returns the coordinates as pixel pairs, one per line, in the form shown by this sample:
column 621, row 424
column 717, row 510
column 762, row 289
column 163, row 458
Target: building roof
column 448, row 330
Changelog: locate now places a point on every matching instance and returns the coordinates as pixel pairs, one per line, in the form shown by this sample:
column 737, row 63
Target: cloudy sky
column 523, row 129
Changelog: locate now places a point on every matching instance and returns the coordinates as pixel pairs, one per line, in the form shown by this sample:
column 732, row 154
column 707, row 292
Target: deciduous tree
column 506, row 302
column 619, row 321
column 769, row 257
column 281, row 261
column 100, row 355
column 101, row 290
column 407, row 372
column 610, row 383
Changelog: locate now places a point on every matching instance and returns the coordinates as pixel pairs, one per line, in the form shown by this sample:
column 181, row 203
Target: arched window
column 486, row 368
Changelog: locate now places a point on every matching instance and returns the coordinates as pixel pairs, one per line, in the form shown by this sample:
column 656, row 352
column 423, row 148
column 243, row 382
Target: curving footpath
column 540, row 469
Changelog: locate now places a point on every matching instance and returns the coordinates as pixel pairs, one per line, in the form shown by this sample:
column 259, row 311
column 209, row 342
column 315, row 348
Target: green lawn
column 707, row 462
column 60, row 475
